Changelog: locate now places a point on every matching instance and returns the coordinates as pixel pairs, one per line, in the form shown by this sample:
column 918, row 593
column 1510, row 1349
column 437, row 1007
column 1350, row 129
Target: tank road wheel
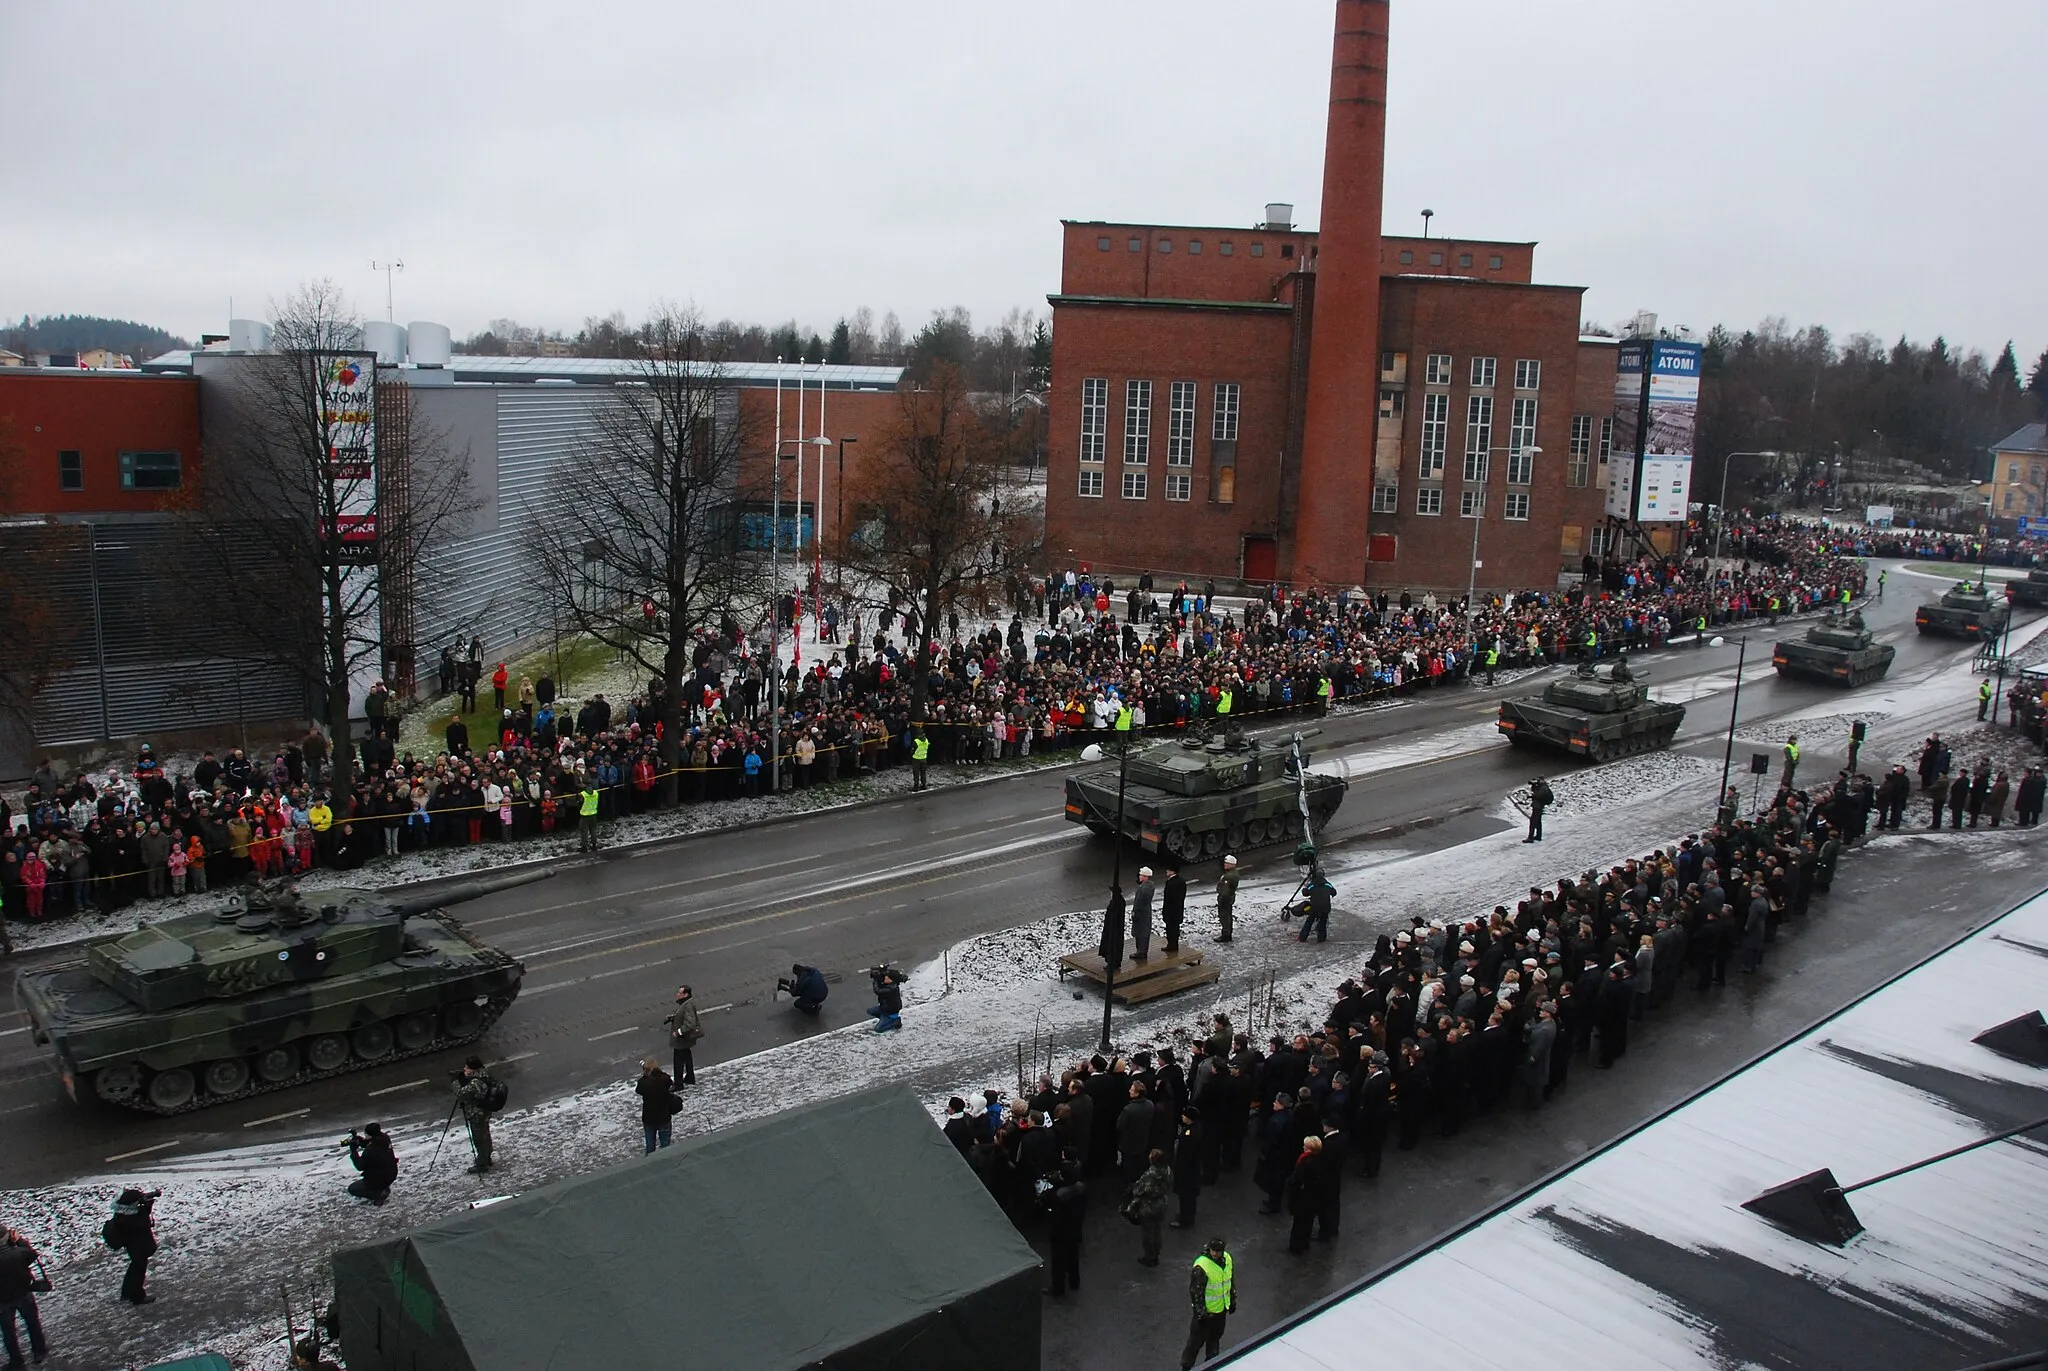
column 1236, row 836
column 1212, row 843
column 226, row 1076
column 280, row 1063
column 1258, row 832
column 327, row 1052
column 414, row 1031
column 1290, row 825
column 1182, row 843
column 118, row 1084
column 173, row 1089
column 463, row 1020
column 371, row 1041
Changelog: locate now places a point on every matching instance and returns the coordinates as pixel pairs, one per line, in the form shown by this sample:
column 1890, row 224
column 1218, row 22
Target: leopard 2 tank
column 1197, row 797
column 1967, row 611
column 1599, row 712
column 1839, row 649
column 280, row 987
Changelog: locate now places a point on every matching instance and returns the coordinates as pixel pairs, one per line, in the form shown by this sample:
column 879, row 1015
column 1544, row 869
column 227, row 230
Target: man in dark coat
column 959, row 1127
column 1617, row 999
column 1173, row 903
column 370, row 1153
column 1134, row 1133
column 1533, row 1076
column 1371, row 1111
column 133, row 1230
column 1306, row 1186
column 1187, row 1164
column 1069, row 1210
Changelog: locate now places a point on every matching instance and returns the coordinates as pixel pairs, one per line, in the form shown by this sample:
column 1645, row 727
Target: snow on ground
column 1809, row 726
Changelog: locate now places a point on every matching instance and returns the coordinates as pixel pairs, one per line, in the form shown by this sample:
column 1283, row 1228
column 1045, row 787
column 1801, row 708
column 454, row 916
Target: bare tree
column 639, row 544
column 930, row 523
column 295, row 483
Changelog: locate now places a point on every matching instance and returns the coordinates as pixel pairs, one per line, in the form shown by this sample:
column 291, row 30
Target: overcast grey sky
column 1872, row 164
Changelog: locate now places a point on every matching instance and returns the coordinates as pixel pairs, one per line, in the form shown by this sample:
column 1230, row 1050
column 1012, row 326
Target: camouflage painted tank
column 1839, row 650
column 1968, row 611
column 2028, row 592
column 1599, row 712
column 279, row 988
column 1196, row 798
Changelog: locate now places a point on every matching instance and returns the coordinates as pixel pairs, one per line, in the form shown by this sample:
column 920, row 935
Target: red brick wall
column 99, row 417
column 1164, row 267
column 1163, row 345
column 863, row 415
column 1517, row 260
column 1468, row 318
column 1594, row 395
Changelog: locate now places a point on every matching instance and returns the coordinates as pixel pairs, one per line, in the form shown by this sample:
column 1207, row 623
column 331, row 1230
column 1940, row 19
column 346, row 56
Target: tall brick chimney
column 1342, row 412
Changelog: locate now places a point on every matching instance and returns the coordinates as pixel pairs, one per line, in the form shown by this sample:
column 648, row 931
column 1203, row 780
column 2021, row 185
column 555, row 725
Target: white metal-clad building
column 1642, row 1255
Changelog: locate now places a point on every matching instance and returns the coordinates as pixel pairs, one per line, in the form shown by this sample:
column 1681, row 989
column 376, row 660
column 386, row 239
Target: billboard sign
column 1878, row 516
column 1656, row 409
column 2033, row 526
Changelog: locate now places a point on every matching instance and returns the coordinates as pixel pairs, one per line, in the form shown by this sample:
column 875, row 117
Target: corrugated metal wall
column 135, row 659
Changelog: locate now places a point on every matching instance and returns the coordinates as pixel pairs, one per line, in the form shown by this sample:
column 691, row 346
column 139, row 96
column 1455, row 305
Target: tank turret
column 280, row 985
column 1968, row 610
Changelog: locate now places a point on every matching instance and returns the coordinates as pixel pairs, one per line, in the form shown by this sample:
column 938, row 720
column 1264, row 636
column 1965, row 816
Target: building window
column 1134, row 485
column 1436, row 259
column 1287, row 249
column 1223, row 428
column 1493, row 263
column 1436, row 430
column 1478, row 436
column 1438, row 371
column 1392, row 401
column 1179, row 485
column 1471, row 504
column 1386, row 498
column 1464, row 259
column 1606, row 439
column 1224, row 249
column 2012, row 472
column 1091, row 483
column 1102, row 245
column 1579, row 463
column 1407, row 258
column 151, row 471
column 1528, row 374
column 1137, row 424
column 70, row 470
column 1482, row 373
column 2009, row 500
column 1596, row 540
column 1180, row 434
column 1517, row 506
column 1194, row 247
column 1094, row 417
column 1258, row 249
column 1429, row 499
column 1166, row 245
column 1521, row 438
column 1137, row 245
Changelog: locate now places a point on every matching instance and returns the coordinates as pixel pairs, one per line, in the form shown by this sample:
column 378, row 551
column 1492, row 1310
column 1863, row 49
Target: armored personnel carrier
column 1198, row 797
column 1968, row 611
column 2030, row 592
column 279, row 988
column 1838, row 649
column 1599, row 712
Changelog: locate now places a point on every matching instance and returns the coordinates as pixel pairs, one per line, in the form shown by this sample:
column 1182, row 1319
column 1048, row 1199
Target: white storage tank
column 429, row 344
column 1279, row 215
column 386, row 340
column 248, row 335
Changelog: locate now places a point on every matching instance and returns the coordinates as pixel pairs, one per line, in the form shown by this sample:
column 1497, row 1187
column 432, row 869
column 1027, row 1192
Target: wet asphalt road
column 606, row 941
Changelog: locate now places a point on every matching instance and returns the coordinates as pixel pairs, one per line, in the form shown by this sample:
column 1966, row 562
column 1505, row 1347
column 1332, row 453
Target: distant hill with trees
column 79, row 332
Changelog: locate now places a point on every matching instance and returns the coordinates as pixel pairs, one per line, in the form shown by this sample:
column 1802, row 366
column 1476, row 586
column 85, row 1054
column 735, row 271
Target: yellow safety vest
column 1592, row 639
column 1492, row 656
column 1123, row 719
column 1223, row 701
column 920, row 748
column 320, row 817
column 589, row 803
column 1323, row 689
column 1216, row 1298
column 1791, row 752
column 1984, row 690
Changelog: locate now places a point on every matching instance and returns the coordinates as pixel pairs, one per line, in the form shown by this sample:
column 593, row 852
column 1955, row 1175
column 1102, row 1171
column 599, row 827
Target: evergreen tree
column 2005, row 372
column 2037, row 384
column 840, row 350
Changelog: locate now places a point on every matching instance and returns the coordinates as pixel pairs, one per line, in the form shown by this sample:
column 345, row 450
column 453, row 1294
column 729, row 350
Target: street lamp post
column 1721, row 509
column 1728, row 753
column 1113, row 920
column 1472, row 572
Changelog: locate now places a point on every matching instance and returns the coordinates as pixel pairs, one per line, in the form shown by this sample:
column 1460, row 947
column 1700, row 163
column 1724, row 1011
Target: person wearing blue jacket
column 806, row 985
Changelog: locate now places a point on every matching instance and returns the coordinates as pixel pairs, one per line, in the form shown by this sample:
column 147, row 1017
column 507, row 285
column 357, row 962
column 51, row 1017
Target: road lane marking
column 715, row 1009
column 617, row 1032
column 516, row 1057
column 10, row 1032
column 144, row 1151
column 394, row 1089
column 278, row 1118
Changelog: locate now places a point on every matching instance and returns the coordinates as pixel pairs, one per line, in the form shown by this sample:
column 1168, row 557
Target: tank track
column 1282, row 828
column 493, row 1007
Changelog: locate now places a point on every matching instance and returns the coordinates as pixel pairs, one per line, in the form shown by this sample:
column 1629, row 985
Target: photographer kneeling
column 887, row 1011
column 806, row 985
column 370, row 1153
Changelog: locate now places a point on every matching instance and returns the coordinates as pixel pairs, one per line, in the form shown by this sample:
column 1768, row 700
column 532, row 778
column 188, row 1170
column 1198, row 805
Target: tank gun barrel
column 419, row 902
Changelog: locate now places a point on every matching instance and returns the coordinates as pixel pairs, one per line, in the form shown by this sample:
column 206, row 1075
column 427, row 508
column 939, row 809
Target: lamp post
column 1721, row 509
column 1531, row 452
column 1728, row 753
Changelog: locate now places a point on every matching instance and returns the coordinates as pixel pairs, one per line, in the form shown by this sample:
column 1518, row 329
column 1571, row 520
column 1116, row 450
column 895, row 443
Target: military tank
column 1839, row 649
column 1599, row 712
column 1967, row 611
column 279, row 988
column 1198, row 797
column 2030, row 592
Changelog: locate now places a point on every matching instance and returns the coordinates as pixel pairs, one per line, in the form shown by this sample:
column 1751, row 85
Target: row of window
column 139, row 470
column 1436, row 371
column 1494, row 261
column 1386, row 499
column 1137, row 448
column 1226, row 248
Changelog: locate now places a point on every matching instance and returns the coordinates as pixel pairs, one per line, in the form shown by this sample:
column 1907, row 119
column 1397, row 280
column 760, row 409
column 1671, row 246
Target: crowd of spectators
column 1071, row 655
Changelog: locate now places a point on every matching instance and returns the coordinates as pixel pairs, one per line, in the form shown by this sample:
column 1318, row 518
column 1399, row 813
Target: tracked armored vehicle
column 279, row 988
column 1196, row 798
column 1838, row 649
column 2030, row 592
column 1968, row 611
column 1599, row 712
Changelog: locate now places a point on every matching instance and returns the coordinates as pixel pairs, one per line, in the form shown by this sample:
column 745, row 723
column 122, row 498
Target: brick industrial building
column 1322, row 407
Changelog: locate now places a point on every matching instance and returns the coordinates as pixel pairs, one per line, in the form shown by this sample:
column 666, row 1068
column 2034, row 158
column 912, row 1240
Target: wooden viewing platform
column 1160, row 975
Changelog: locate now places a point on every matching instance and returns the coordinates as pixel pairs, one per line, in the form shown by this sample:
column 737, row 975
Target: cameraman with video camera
column 370, row 1153
column 133, row 1230
column 887, row 1011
